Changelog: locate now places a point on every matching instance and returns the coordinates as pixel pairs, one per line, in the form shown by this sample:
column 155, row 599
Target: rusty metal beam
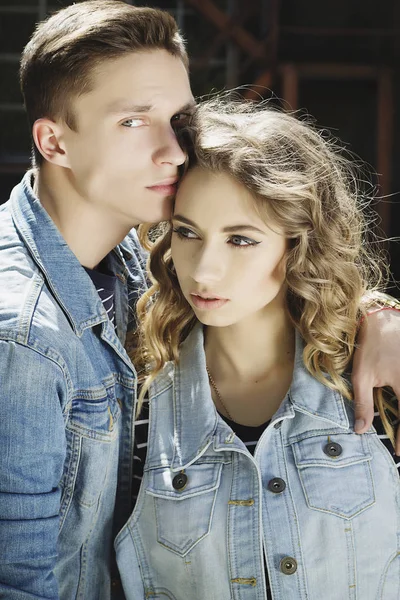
column 244, row 39
column 273, row 30
column 270, row 30
column 291, row 73
column 334, row 71
column 290, row 85
column 263, row 81
column 234, row 20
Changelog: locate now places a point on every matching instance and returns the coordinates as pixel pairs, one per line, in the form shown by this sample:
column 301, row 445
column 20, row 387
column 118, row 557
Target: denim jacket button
column 288, row 565
column 276, row 485
column 179, row 482
column 333, row 449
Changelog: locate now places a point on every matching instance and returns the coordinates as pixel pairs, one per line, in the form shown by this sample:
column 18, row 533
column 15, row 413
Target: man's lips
column 207, row 302
column 166, row 187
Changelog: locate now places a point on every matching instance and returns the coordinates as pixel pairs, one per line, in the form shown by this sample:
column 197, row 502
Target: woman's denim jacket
column 319, row 500
column 67, row 390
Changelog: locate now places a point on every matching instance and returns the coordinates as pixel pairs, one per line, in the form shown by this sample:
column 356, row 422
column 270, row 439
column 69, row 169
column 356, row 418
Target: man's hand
column 376, row 364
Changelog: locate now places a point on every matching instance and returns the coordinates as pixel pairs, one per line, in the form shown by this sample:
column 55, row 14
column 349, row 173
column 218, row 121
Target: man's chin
column 164, row 212
column 152, row 213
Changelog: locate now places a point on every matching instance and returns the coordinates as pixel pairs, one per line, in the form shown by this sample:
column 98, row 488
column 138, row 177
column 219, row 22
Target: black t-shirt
column 104, row 281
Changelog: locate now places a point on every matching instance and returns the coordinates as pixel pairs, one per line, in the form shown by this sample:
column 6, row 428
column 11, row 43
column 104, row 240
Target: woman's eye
column 133, row 123
column 184, row 233
column 240, row 240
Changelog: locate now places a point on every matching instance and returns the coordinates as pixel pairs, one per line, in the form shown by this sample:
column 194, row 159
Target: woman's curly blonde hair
column 301, row 182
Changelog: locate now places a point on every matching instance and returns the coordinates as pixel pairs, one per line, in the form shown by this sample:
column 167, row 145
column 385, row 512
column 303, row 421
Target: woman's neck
column 251, row 364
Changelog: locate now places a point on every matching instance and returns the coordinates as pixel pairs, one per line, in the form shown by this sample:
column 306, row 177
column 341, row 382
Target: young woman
column 255, row 485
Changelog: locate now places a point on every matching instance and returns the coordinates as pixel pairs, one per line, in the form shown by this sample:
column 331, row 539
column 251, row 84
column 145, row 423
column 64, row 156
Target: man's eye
column 133, row 123
column 184, row 233
column 180, row 119
column 241, row 241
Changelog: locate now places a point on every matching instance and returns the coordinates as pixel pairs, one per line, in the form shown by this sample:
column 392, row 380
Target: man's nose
column 169, row 150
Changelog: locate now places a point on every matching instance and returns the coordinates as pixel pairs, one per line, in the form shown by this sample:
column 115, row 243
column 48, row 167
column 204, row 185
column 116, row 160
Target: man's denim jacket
column 321, row 502
column 67, row 391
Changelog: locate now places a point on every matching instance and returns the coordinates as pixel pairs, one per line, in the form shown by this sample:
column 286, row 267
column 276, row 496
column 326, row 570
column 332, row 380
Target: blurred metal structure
column 262, row 53
column 382, row 77
column 266, row 47
column 11, row 108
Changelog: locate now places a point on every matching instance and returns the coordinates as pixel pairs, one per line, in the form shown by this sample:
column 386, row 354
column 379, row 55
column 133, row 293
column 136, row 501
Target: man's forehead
column 145, row 80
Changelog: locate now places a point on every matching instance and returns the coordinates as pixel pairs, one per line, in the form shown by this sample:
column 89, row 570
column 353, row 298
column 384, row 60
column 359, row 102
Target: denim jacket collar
column 196, row 422
column 313, row 398
column 55, row 259
column 195, row 415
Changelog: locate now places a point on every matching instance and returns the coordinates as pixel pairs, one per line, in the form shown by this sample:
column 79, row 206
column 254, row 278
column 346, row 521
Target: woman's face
column 229, row 263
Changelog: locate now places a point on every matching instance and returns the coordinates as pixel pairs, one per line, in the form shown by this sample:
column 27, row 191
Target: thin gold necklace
column 214, row 386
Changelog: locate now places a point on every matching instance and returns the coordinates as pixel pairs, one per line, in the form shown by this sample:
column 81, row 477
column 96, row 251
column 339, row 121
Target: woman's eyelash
column 249, row 242
column 187, row 234
column 183, row 233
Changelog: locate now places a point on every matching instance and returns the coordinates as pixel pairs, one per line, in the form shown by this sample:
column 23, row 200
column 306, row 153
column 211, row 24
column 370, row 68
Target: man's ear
column 49, row 139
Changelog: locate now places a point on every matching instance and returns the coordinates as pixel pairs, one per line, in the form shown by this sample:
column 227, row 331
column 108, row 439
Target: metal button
column 278, row 425
column 180, row 481
column 276, row 485
column 333, row 449
column 288, row 565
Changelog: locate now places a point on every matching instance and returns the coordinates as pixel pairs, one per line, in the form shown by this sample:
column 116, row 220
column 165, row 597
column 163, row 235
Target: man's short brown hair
column 58, row 61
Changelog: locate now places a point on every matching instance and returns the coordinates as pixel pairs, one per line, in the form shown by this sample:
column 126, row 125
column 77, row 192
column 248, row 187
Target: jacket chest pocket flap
column 184, row 515
column 335, row 473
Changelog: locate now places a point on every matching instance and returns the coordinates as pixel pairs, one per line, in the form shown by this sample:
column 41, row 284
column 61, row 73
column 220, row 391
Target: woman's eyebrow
column 227, row 229
column 234, row 228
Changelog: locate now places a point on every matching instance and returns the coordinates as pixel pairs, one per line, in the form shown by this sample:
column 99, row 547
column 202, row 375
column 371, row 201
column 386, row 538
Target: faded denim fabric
column 332, row 532
column 67, row 390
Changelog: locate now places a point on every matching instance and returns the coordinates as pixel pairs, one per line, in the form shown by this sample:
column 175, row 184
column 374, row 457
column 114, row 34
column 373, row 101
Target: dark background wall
column 339, row 60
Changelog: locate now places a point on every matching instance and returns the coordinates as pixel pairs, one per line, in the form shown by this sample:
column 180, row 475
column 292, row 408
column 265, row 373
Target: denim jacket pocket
column 335, row 473
column 184, row 515
column 91, row 433
column 94, row 413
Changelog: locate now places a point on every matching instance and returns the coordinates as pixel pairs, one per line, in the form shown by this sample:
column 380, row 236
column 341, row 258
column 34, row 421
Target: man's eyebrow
column 228, row 229
column 120, row 107
column 189, row 106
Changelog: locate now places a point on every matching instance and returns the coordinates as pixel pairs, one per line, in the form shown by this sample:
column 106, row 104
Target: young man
column 105, row 87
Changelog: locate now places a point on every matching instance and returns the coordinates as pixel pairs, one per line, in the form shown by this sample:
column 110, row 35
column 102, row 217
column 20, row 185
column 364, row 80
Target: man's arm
column 32, row 455
column 376, row 364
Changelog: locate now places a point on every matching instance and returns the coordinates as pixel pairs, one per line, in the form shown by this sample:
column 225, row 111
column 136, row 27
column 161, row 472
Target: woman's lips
column 207, row 303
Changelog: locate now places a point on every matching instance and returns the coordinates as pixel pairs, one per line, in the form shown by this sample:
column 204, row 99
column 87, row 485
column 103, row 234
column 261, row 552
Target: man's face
column 124, row 155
